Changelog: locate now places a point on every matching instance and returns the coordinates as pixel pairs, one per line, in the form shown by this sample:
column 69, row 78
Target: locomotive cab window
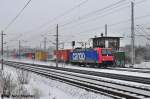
column 106, row 52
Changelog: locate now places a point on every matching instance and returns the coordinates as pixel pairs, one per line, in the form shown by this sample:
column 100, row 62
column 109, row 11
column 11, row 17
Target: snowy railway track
column 143, row 80
column 89, row 80
column 131, row 69
column 139, row 70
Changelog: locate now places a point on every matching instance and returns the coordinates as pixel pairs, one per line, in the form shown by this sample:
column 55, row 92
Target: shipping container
column 41, row 56
column 62, row 55
column 31, row 55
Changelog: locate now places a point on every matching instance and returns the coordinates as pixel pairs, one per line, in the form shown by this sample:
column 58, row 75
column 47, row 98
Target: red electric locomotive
column 91, row 56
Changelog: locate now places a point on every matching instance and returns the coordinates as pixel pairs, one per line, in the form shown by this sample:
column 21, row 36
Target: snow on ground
column 51, row 89
column 143, row 65
column 59, row 90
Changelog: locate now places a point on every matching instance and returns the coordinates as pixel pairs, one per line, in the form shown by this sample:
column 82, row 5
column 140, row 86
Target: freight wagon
column 41, row 56
column 31, row 55
column 62, row 55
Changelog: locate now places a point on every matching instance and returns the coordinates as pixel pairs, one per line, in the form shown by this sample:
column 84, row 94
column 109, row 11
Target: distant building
column 107, row 42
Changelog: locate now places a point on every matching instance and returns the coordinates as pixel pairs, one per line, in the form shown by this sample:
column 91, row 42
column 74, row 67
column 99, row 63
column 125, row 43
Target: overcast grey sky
column 74, row 25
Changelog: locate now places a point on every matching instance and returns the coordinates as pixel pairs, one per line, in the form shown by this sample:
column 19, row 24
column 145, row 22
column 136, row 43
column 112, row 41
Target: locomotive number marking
column 78, row 56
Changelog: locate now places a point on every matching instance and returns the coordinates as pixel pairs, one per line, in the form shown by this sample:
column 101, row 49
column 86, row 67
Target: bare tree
column 37, row 93
column 6, row 84
column 23, row 76
column 19, row 91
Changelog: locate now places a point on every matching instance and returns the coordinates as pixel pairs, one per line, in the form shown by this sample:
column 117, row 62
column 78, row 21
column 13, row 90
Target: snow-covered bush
column 139, row 59
column 23, row 77
column 142, row 53
column 6, row 83
column 36, row 93
column 20, row 90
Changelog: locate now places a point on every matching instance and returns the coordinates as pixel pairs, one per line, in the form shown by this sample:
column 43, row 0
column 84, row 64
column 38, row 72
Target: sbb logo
column 78, row 56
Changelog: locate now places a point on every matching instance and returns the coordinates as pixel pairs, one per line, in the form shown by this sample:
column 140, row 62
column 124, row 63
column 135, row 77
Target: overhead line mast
column 9, row 24
column 2, row 49
column 56, row 45
column 132, row 35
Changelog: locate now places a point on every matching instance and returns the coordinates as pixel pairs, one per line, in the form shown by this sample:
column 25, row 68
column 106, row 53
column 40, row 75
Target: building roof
column 105, row 37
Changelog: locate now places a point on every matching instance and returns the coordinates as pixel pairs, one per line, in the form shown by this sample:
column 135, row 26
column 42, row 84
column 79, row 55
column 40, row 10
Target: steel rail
column 49, row 69
column 93, row 77
column 139, row 70
column 130, row 78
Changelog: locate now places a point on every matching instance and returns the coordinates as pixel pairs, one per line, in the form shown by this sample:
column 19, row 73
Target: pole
column 132, row 35
column 19, row 49
column 63, row 45
column 85, row 52
column 105, row 29
column 7, row 52
column 40, row 46
column 45, row 41
column 56, row 45
column 2, row 51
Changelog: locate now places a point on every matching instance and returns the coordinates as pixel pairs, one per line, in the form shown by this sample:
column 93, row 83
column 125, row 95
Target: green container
column 119, row 59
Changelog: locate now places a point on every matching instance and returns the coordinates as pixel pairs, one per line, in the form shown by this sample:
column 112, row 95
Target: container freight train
column 90, row 56
column 39, row 55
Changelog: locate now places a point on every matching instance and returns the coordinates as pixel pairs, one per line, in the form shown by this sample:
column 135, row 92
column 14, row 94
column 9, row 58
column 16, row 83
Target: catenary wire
column 15, row 18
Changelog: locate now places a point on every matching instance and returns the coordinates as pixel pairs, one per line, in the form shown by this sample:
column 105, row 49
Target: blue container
column 84, row 55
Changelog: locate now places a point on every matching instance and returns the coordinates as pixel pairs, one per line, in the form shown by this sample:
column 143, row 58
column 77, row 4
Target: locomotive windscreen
column 106, row 52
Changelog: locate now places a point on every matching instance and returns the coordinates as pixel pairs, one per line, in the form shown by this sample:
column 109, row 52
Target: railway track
column 90, row 80
column 131, row 69
column 95, row 73
column 139, row 70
